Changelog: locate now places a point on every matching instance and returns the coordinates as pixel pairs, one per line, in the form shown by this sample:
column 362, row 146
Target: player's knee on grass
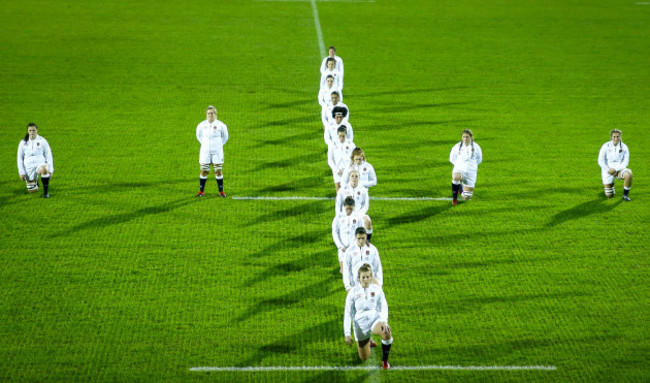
column 467, row 195
column 609, row 191
column 367, row 223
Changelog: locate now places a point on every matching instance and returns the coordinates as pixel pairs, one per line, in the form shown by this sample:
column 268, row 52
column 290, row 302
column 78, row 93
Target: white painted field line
column 331, row 198
column 324, row 1
column 319, row 32
column 370, row 368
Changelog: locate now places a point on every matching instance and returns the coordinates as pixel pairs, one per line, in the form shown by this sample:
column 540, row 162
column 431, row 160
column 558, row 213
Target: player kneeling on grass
column 213, row 135
column 34, row 159
column 367, row 310
column 466, row 156
column 613, row 159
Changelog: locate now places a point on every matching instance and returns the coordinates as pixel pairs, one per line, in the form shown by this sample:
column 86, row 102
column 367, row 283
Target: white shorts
column 336, row 176
column 211, row 158
column 608, row 179
column 363, row 326
column 32, row 171
column 469, row 178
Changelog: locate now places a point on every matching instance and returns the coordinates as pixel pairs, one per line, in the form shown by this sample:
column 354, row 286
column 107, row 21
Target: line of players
column 366, row 309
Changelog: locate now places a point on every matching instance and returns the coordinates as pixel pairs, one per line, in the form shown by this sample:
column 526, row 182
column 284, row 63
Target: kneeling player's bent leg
column 467, row 193
column 609, row 190
column 363, row 347
column 45, row 177
column 367, row 224
column 383, row 329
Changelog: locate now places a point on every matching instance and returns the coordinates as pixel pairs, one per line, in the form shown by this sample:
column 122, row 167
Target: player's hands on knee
column 348, row 340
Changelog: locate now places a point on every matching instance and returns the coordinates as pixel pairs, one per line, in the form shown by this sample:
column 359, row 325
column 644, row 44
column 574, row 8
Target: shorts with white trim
column 32, row 171
column 363, row 326
column 609, row 179
column 211, row 158
column 469, row 178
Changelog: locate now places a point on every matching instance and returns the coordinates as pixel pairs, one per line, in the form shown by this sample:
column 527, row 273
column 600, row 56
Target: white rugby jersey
column 339, row 66
column 212, row 136
column 337, row 78
column 338, row 154
column 363, row 305
column 367, row 175
column 354, row 258
column 344, row 227
column 34, row 152
column 464, row 158
column 331, row 134
column 615, row 157
column 326, row 114
column 325, row 95
column 360, row 195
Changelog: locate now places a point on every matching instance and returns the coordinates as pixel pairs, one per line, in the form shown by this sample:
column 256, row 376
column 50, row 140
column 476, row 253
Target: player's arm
column 21, row 161
column 372, row 177
column 49, row 159
column 346, row 271
column 224, row 134
column 347, row 318
column 379, row 272
column 199, row 134
column 382, row 306
column 453, row 155
column 479, row 155
column 335, row 233
column 602, row 158
column 626, row 159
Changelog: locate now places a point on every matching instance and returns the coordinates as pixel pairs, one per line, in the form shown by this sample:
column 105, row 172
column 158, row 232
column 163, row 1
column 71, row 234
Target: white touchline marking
column 331, row 198
column 319, row 32
column 324, row 1
column 370, row 368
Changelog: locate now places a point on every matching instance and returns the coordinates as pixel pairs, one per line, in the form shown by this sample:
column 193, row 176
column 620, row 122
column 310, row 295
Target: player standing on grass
column 213, row 135
column 466, row 156
column 361, row 200
column 613, row 159
column 367, row 310
column 330, row 133
column 34, row 159
column 344, row 227
column 367, row 175
column 328, row 113
column 338, row 64
column 358, row 254
column 338, row 155
column 325, row 93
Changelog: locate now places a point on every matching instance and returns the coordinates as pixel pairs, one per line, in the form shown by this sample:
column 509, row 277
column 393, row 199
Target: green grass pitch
column 123, row 276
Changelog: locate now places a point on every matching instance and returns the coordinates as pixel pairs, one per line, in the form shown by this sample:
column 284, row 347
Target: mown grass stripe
column 369, row 368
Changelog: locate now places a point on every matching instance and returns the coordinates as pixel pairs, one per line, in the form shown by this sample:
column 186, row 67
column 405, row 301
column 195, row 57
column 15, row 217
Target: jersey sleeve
column 49, row 159
column 349, row 314
column 198, row 133
column 21, row 159
column 346, row 270
column 224, row 134
column 453, row 155
column 372, row 177
column 338, row 203
column 350, row 132
column 335, row 233
column 382, row 307
column 330, row 155
column 479, row 155
column 379, row 272
column 323, row 66
column 602, row 158
column 365, row 203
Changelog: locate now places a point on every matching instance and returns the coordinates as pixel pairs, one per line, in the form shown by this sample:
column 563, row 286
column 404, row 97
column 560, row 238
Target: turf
column 123, row 276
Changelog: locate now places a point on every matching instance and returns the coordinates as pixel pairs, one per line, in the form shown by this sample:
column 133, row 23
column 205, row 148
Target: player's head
column 358, row 157
column 331, row 63
column 354, row 178
column 360, row 236
column 348, row 205
column 468, row 136
column 615, row 135
column 332, row 51
column 342, row 133
column 335, row 97
column 338, row 117
column 211, row 113
column 330, row 81
column 32, row 131
column 365, row 275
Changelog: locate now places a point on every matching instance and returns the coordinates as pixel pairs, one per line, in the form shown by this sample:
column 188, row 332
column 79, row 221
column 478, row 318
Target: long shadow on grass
column 411, row 106
column 313, row 292
column 418, row 215
column 599, row 205
column 285, row 122
column 285, row 140
column 321, row 258
column 291, row 343
column 313, row 207
column 285, row 163
column 394, row 92
column 290, row 104
column 295, row 185
column 409, row 124
column 291, row 242
column 116, row 219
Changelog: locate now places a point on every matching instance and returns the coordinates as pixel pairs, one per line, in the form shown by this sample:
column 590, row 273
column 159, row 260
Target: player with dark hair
column 34, row 159
column 344, row 227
